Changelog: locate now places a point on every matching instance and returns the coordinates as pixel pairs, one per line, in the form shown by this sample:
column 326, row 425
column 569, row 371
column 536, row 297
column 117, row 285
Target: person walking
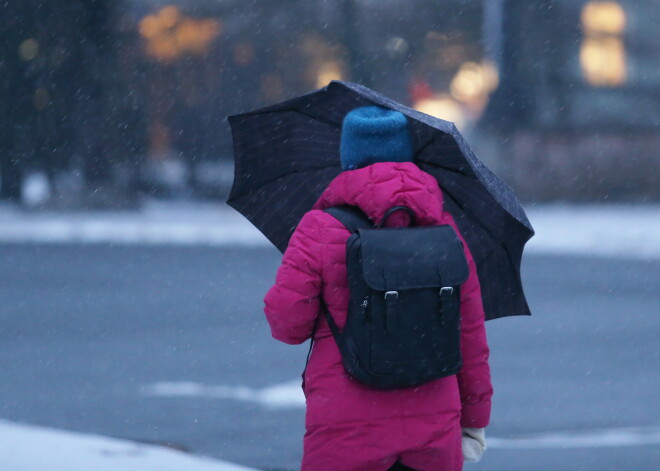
column 349, row 425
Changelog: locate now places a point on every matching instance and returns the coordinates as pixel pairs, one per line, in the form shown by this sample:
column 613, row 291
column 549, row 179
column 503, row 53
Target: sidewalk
column 30, row 448
column 601, row 230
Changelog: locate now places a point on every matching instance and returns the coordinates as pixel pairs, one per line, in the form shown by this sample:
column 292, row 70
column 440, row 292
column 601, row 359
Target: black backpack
column 403, row 324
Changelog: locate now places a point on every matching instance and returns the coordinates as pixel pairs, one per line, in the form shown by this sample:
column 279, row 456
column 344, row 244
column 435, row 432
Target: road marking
column 289, row 395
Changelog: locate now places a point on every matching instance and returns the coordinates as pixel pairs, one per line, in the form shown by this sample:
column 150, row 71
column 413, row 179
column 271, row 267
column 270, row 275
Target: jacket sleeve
column 292, row 304
column 474, row 377
column 474, row 382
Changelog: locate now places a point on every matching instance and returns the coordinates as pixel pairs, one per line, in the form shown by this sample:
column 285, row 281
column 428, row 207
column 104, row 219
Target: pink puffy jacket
column 350, row 426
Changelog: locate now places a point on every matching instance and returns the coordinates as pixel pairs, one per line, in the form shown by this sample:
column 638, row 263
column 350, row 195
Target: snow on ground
column 31, row 448
column 278, row 396
column 289, row 395
column 607, row 230
column 571, row 439
column 156, row 223
column 612, row 230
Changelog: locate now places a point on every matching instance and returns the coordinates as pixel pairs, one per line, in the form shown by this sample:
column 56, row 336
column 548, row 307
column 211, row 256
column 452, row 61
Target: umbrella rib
column 317, row 118
column 448, row 169
column 298, row 110
column 469, row 213
column 431, row 141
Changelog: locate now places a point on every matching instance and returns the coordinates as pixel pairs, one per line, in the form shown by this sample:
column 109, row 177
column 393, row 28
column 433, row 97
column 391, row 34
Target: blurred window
column 602, row 52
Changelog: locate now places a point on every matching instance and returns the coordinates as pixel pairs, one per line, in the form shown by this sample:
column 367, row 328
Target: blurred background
column 132, row 296
column 106, row 101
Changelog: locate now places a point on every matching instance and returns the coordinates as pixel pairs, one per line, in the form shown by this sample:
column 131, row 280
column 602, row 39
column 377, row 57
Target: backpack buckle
column 447, row 290
column 391, row 310
column 393, row 294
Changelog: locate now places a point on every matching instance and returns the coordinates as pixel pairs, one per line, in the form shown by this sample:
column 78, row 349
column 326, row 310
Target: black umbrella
column 286, row 154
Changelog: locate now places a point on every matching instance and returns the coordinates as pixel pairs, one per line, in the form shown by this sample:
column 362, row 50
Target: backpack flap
column 412, row 258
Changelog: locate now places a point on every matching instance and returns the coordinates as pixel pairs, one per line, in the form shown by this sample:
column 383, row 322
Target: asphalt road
column 83, row 329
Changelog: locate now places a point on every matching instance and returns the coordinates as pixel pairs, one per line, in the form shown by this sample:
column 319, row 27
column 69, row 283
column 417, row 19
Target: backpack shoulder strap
column 352, row 217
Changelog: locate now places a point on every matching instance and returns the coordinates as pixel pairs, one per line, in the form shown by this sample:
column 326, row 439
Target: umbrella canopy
column 286, row 154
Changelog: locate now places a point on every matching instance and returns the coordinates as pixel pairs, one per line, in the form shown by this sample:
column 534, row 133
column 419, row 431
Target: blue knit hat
column 374, row 134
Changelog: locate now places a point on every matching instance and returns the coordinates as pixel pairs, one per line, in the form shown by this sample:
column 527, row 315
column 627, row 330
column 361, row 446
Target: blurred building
column 577, row 112
column 560, row 97
column 210, row 59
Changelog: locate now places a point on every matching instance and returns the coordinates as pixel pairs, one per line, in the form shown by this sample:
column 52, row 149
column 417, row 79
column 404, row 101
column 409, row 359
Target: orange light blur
column 169, row 34
column 169, row 16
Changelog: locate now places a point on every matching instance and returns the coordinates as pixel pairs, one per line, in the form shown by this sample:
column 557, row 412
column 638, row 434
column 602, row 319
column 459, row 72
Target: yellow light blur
column 602, row 52
column 187, row 36
column 323, row 60
column 28, row 49
column 169, row 16
column 490, row 75
column 443, row 107
column 163, row 48
column 194, row 36
column 603, row 17
column 209, row 29
column 468, row 83
column 473, row 83
column 603, row 61
column 327, row 72
column 150, row 27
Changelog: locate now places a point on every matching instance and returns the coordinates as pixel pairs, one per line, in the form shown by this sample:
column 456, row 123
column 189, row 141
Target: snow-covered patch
column 289, row 395
column 614, row 231
column 601, row 230
column 31, row 448
column 278, row 396
column 598, row 438
column 158, row 224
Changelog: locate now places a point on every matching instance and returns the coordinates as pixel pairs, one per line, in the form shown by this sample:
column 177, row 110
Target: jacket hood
column 378, row 187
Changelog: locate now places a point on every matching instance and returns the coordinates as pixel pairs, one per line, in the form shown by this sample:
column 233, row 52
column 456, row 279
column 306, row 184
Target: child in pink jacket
column 350, row 426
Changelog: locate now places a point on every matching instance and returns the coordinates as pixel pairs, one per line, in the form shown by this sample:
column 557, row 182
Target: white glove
column 474, row 444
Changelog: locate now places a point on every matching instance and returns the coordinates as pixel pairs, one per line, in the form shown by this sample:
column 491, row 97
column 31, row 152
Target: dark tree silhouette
column 65, row 92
